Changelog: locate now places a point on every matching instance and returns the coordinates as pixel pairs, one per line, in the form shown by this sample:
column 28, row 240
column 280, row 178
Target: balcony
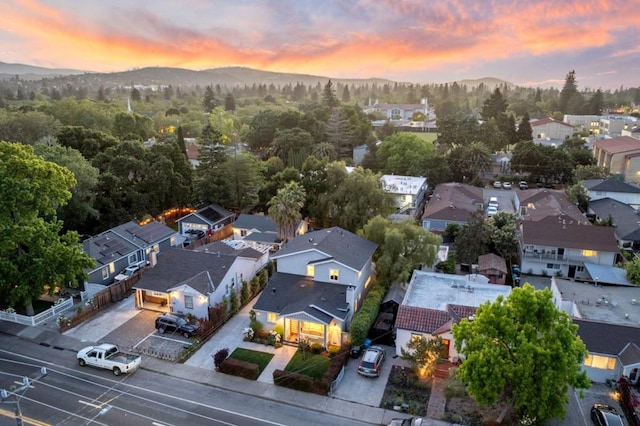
column 559, row 258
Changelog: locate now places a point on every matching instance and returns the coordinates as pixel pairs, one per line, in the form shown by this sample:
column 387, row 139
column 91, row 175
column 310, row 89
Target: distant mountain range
column 226, row 76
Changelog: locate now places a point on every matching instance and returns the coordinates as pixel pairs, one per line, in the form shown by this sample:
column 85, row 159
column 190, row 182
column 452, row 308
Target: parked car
column 506, row 185
column 413, row 421
column 371, row 361
column 523, row 184
column 497, row 184
column 175, row 324
column 605, row 415
column 493, row 202
column 491, row 211
column 108, row 356
column 129, row 271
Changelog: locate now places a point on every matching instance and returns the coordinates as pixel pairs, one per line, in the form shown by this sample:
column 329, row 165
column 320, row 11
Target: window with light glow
column 311, row 270
column 271, row 317
column 600, row 362
column 312, row 328
column 334, row 274
column 589, row 253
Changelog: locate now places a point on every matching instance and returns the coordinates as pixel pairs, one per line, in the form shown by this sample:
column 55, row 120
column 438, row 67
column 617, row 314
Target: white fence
column 39, row 318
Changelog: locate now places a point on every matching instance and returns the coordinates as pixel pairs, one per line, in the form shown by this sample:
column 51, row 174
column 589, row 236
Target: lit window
column 311, row 270
column 312, row 328
column 271, row 317
column 333, row 275
column 416, row 337
column 600, row 362
column 112, row 267
column 188, row 302
column 589, row 253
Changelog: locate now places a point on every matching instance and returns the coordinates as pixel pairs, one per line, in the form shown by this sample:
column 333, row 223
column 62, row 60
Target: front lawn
column 308, row 364
column 261, row 359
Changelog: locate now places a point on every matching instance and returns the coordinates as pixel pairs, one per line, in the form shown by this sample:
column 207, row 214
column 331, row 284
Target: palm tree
column 284, row 209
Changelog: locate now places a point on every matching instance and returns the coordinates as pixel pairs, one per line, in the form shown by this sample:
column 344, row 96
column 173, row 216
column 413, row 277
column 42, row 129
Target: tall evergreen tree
column 525, row 132
column 328, row 96
column 570, row 100
column 229, row 102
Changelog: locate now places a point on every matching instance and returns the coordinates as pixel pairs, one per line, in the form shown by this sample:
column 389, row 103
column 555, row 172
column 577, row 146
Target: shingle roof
column 341, row 245
column 618, row 144
column 422, row 320
column 548, row 120
column 107, row 247
column 625, row 218
column 606, row 338
column 222, row 248
column 289, row 294
column 178, row 266
column 556, row 234
column 610, row 185
column 258, row 222
column 492, row 261
column 544, row 203
column 453, row 202
column 630, row 354
column 144, row 236
column 210, row 214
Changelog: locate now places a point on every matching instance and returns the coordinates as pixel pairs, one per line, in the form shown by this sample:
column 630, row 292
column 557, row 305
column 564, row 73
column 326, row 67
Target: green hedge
column 239, row 368
column 365, row 317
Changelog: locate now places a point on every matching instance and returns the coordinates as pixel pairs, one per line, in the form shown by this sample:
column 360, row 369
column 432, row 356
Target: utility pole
column 18, row 392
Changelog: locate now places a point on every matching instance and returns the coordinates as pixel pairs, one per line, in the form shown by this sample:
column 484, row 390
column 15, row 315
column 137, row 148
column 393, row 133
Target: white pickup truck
column 108, row 357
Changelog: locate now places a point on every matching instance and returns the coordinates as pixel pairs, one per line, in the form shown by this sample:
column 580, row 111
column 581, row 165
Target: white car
column 497, row 184
column 506, row 185
column 491, row 211
column 413, row 421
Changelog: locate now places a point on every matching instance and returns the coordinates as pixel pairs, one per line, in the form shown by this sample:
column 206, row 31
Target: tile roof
column 557, row 234
column 618, row 144
column 336, row 243
column 606, row 338
column 459, row 312
column 422, row 320
column 548, row 120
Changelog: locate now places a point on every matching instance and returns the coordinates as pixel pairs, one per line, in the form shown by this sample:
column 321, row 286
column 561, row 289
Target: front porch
column 153, row 301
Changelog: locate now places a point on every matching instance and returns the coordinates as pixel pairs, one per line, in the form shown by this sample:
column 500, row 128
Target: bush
column 333, row 351
column 219, row 357
column 244, row 293
column 239, row 368
column 316, row 348
column 255, row 285
column 256, row 326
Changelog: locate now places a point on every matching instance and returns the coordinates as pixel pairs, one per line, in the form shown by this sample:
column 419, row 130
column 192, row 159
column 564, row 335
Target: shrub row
column 366, row 316
column 305, row 383
column 235, row 367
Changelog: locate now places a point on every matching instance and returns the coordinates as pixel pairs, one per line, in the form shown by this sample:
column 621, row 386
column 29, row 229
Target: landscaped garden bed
column 406, row 392
column 261, row 359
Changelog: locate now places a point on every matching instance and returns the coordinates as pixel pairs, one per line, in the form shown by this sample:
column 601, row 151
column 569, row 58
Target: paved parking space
column 600, row 393
column 364, row 390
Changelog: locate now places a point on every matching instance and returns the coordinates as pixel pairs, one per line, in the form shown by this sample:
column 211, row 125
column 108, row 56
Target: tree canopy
column 35, row 256
column 523, row 349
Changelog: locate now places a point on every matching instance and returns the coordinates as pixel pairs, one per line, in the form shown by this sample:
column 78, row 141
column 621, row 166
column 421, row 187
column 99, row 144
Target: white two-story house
column 320, row 281
column 561, row 247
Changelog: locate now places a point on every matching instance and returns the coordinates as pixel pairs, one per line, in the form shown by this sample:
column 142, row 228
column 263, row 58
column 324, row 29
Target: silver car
column 371, row 361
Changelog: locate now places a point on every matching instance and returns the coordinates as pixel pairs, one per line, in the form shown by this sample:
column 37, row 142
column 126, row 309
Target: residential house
column 451, row 203
column 615, row 189
column 561, row 247
column 191, row 281
column 493, row 267
column 261, row 229
column 548, row 128
column 409, row 191
column 210, row 219
column 403, row 112
column 584, row 123
column 541, row 203
column 125, row 245
column 606, row 324
column 613, row 125
column 434, row 302
column 320, row 281
column 625, row 220
column 620, row 156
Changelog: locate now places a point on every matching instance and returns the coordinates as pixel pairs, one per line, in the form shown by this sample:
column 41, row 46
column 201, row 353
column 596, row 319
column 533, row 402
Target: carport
column 603, row 274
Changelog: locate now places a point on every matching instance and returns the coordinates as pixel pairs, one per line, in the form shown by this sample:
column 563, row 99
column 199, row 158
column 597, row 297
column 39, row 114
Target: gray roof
column 606, row 338
column 625, row 218
column 263, row 237
column 610, row 185
column 218, row 247
column 209, row 215
column 557, row 234
column 336, row 243
column 146, row 235
column 289, row 294
column 630, row 355
column 257, row 222
column 607, row 274
column 179, row 266
column 107, row 247
column 395, row 294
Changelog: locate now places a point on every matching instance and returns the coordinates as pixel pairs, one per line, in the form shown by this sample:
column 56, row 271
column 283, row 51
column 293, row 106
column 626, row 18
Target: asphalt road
column 72, row 395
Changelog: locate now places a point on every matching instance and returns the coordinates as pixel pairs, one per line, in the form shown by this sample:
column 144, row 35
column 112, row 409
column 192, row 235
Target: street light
column 18, row 392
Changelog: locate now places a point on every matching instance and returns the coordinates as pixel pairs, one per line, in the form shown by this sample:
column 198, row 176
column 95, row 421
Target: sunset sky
column 526, row 42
